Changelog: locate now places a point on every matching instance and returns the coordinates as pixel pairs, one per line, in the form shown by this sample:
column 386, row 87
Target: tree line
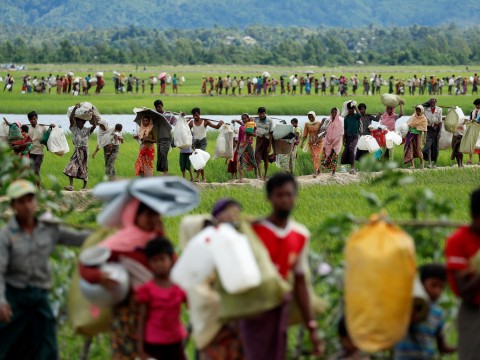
column 443, row 45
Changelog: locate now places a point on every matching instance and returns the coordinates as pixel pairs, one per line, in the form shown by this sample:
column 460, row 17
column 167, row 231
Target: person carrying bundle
column 431, row 149
column 245, row 152
column 264, row 140
column 413, row 144
column 199, row 130
column 109, row 140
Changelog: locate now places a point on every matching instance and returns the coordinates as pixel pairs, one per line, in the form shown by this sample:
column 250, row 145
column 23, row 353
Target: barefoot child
column 160, row 331
column 109, row 139
column 232, row 163
column 184, row 160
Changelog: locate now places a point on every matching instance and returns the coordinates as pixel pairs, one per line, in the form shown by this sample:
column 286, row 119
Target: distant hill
column 191, row 14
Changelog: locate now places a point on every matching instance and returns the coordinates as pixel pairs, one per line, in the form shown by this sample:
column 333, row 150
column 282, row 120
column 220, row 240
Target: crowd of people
column 264, row 84
column 147, row 324
column 254, row 143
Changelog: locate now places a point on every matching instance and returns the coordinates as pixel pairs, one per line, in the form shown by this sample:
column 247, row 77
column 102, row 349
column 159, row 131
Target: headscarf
column 389, row 120
column 104, row 137
column 334, row 135
column 418, row 122
column 314, row 117
column 130, row 237
column 145, row 130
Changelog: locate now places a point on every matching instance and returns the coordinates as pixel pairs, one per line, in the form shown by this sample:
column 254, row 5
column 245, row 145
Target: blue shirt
column 421, row 342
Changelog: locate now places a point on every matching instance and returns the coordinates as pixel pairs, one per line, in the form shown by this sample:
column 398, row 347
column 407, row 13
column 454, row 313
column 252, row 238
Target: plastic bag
column 224, row 145
column 4, row 132
column 454, row 117
column 57, row 142
column 345, row 107
column 182, row 135
column 445, row 142
column 380, row 270
column 85, row 111
column 391, row 100
column 45, row 137
column 282, row 130
column 87, row 319
column 469, row 140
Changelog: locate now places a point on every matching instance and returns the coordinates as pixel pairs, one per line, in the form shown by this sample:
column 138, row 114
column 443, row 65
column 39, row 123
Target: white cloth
column 105, row 137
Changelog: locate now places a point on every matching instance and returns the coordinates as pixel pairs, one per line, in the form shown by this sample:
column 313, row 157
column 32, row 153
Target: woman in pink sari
column 388, row 119
column 333, row 142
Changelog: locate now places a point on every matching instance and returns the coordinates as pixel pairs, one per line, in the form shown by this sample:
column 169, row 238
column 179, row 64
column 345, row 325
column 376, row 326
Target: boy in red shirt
column 461, row 247
column 264, row 336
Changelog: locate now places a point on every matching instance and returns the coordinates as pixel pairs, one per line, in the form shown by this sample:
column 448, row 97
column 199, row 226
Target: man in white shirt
column 431, row 149
column 294, row 85
column 36, row 133
column 451, row 84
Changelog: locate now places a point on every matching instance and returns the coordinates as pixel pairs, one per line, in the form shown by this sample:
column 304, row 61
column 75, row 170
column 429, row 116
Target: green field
column 189, row 93
column 315, row 203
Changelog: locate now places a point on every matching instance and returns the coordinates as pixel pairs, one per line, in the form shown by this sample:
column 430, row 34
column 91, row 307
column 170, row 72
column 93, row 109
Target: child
column 160, row 331
column 349, row 351
column 184, row 160
column 18, row 139
column 425, row 338
column 232, row 163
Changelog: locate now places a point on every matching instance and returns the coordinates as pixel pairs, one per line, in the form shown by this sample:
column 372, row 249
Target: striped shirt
column 421, row 341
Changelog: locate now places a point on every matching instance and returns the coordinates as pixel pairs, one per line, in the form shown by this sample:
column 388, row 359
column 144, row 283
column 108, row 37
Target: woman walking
column 140, row 224
column 417, row 125
column 148, row 139
column 245, row 151
column 315, row 143
column 332, row 142
column 77, row 168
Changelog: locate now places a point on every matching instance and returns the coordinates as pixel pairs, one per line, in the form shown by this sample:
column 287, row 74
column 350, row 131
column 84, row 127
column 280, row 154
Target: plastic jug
column 196, row 261
column 197, row 160
column 362, row 143
column 234, row 260
column 372, row 144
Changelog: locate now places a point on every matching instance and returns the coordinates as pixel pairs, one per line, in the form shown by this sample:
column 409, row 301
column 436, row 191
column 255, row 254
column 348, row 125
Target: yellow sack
column 379, row 275
column 86, row 318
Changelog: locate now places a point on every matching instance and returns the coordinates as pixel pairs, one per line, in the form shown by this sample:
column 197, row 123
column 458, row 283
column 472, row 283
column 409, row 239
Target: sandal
column 68, row 188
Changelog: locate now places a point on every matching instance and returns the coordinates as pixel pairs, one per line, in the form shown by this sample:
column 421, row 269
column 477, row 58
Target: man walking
column 264, row 140
column 265, row 335
column 27, row 324
column 164, row 137
column 36, row 132
column 431, row 149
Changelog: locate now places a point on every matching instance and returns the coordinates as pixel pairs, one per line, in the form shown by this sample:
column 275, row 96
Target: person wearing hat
column 431, row 150
column 27, row 324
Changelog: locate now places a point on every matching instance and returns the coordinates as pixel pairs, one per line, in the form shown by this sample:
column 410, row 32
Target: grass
column 109, row 103
column 315, row 203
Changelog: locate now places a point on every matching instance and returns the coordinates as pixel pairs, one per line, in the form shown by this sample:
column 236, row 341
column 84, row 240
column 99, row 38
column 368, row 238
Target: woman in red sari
column 146, row 157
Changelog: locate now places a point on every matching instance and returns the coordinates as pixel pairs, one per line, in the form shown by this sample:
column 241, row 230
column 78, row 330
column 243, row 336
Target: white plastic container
column 197, row 160
column 362, row 143
column 234, row 260
column 392, row 139
column 196, row 261
column 372, row 144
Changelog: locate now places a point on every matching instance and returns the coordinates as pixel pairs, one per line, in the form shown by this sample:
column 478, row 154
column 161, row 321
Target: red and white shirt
column 460, row 248
column 288, row 247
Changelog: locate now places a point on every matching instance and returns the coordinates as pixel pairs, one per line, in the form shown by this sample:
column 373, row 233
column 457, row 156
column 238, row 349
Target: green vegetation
column 256, row 44
column 189, row 93
column 240, row 13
